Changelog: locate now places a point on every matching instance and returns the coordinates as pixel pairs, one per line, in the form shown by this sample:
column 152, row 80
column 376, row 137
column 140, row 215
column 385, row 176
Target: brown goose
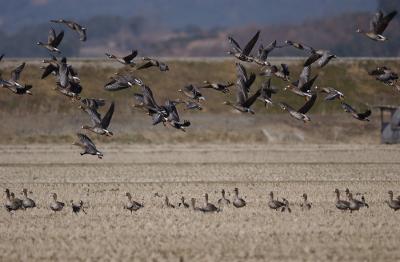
column 266, row 92
column 359, row 116
column 243, row 54
column 301, row 113
column 192, row 92
column 224, row 88
column 286, row 206
column 167, row 203
column 120, row 82
column 100, row 127
column 173, row 118
column 237, row 201
column 53, row 41
column 353, row 204
column 378, row 25
column 393, row 204
column 12, row 203
column 223, row 201
column 303, row 86
column 27, row 202
column 183, row 203
column 341, row 204
column 361, row 203
column 305, row 205
column 13, row 85
column 56, row 205
column 149, row 62
column 126, row 60
column 74, row 26
column 87, row 144
column 332, row 94
column 273, row 203
column 386, row 76
column 132, row 205
column 76, row 208
column 322, row 56
column 282, row 73
column 263, row 53
column 193, row 202
column 208, row 207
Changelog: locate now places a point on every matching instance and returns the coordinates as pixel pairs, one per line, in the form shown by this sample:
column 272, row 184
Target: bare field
column 254, row 233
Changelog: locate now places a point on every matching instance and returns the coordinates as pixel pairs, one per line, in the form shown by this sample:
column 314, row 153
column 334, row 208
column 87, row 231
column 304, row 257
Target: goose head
column 305, row 196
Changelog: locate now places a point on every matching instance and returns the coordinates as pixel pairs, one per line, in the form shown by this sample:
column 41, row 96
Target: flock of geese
column 13, row 203
column 68, row 82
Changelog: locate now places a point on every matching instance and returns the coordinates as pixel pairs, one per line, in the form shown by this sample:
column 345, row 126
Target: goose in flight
column 53, row 41
column 13, row 85
column 224, row 88
column 125, row 60
column 303, row 86
column 266, row 92
column 359, row 116
column 87, row 145
column 378, row 25
column 243, row 54
column 100, row 125
column 332, row 94
column 149, row 62
column 74, row 26
column 301, row 113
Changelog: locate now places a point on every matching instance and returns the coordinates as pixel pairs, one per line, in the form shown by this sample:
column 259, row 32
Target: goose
column 301, row 113
column 266, row 92
column 384, row 75
column 353, row 204
column 332, row 94
column 193, row 202
column 173, row 118
column 223, row 201
column 53, row 67
column 87, row 144
column 303, row 86
column 359, row 116
column 298, row 45
column 208, row 207
column 378, row 24
column 120, row 82
column 76, row 208
column 74, row 26
column 282, row 73
column 12, row 203
column 361, row 203
column 53, row 41
column 126, row 60
column 27, row 202
column 341, row 204
column 393, row 204
column 263, row 53
column 191, row 105
column 100, row 127
column 322, row 56
column 243, row 54
column 132, row 205
column 286, row 206
column 167, row 203
column 274, row 204
column 56, row 205
column 149, row 62
column 13, row 85
column 305, row 205
column 224, row 88
column 183, row 203
column 237, row 201
column 92, row 103
column 192, row 92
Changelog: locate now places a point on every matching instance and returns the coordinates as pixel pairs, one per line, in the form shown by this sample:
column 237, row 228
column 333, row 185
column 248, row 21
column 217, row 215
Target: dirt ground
column 253, row 233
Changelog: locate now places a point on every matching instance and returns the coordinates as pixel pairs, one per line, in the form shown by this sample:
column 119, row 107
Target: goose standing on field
column 286, row 205
column 27, row 202
column 378, row 25
column 237, row 201
column 354, row 205
column 341, row 204
column 243, row 54
column 74, row 26
column 223, row 201
column 274, row 204
column 224, row 88
column 87, row 144
column 76, row 208
column 12, row 203
column 53, row 41
column 126, row 60
column 359, row 116
column 305, row 205
column 301, row 113
column 393, row 204
column 149, row 62
column 361, row 203
column 56, row 205
column 100, row 127
column 167, row 203
column 132, row 205
column 183, row 203
column 193, row 202
column 208, row 207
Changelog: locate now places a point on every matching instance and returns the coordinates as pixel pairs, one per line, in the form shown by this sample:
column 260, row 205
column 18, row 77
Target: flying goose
column 243, row 54
column 263, row 52
column 167, row 203
column 100, row 127
column 282, row 73
column 385, row 75
column 322, row 56
column 224, row 88
column 183, row 203
column 341, row 204
column 120, row 82
column 76, row 208
column 303, row 86
column 192, row 92
column 87, row 144
column 149, row 62
column 305, row 205
column 56, row 205
column 223, row 201
column 132, row 205
column 359, row 116
column 237, row 201
column 332, row 94
column 361, row 203
column 191, row 105
column 393, row 204
column 53, row 66
column 266, row 92
column 173, row 118
column 13, row 85
column 377, row 26
column 27, row 202
column 74, row 26
column 126, row 60
column 273, row 203
column 299, row 46
column 208, row 207
column 301, row 113
column 53, row 41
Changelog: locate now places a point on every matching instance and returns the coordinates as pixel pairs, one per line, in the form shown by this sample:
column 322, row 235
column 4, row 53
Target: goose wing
column 130, row 57
column 86, row 141
column 365, row 114
column 145, row 65
column 307, row 106
column 105, row 122
column 252, row 99
column 15, row 74
column 304, row 76
column 383, row 21
column 312, row 58
column 234, row 44
column 51, row 36
column 241, row 94
column 348, row 108
column 249, row 46
column 57, row 40
column 48, row 70
column 308, row 85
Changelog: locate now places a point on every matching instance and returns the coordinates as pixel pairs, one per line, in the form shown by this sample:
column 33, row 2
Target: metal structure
column 390, row 124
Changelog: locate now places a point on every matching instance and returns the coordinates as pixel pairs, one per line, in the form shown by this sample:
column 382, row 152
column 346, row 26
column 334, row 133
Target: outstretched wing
column 51, row 36
column 105, row 122
column 304, row 76
column 145, row 65
column 15, row 74
column 308, row 85
column 307, row 106
column 247, row 49
column 383, row 22
column 348, row 108
column 58, row 39
column 312, row 58
column 130, row 57
column 48, row 70
column 234, row 44
column 252, row 99
column 85, row 140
